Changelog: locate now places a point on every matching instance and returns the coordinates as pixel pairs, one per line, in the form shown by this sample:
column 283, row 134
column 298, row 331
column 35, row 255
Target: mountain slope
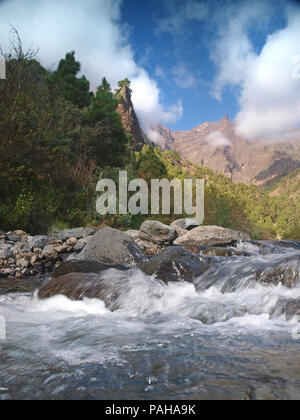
column 215, row 145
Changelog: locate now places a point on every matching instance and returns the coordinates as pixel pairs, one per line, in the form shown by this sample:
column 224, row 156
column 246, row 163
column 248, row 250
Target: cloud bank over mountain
column 269, row 91
column 94, row 30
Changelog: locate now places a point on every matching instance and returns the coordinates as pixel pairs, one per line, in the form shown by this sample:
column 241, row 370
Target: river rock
column 13, row 237
column 185, row 224
column 285, row 271
column 6, row 253
column 223, row 252
column 157, row 232
column 112, row 246
column 49, row 252
column 77, row 286
column 134, row 234
column 39, row 241
column 174, row 264
column 289, row 308
column 76, row 266
column 211, row 236
column 77, row 233
column 23, row 263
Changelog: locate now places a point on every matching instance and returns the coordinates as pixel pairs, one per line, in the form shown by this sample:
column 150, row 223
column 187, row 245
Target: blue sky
column 187, row 53
column 189, row 61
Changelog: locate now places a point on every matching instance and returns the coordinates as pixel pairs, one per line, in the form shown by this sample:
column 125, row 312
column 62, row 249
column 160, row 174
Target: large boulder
column 107, row 286
column 76, row 286
column 211, row 236
column 112, row 246
column 175, row 264
column 157, row 232
column 77, row 233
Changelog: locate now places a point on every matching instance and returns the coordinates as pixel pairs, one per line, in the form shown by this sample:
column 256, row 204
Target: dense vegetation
column 57, row 139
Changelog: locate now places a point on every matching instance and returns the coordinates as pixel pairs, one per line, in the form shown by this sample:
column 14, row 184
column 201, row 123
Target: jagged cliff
column 216, row 145
column 129, row 119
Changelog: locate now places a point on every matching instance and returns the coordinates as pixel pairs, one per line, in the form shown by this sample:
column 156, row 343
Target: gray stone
column 211, row 236
column 87, row 232
column 13, row 238
column 112, row 246
column 157, row 232
column 77, row 233
column 6, row 253
column 134, row 234
column 186, row 224
column 49, row 252
column 39, row 241
column 82, row 243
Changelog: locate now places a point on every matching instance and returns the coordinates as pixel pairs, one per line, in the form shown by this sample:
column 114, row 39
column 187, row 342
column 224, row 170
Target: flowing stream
column 219, row 338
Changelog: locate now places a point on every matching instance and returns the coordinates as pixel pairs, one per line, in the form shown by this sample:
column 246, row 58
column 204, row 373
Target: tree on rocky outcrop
column 75, row 89
column 110, row 146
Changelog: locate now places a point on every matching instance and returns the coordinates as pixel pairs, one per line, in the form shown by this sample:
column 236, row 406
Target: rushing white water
column 165, row 341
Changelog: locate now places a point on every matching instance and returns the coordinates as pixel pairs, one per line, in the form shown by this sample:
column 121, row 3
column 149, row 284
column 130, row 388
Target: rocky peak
column 129, row 119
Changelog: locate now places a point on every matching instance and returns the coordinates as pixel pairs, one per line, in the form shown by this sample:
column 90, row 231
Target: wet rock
column 157, row 232
column 211, row 236
column 76, row 266
column 77, row 286
column 174, row 264
column 113, row 246
column 288, row 308
column 185, row 224
column 285, row 271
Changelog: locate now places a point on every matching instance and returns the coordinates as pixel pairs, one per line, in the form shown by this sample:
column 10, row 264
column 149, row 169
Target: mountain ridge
column 216, row 145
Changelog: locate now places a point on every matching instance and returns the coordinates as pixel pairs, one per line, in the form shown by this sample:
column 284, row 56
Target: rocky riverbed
column 174, row 311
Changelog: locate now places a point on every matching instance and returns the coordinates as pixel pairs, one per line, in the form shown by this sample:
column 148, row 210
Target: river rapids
column 224, row 336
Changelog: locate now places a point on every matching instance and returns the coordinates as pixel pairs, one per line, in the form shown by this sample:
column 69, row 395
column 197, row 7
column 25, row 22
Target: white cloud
column 180, row 13
column 93, row 29
column 269, row 95
column 146, row 99
column 217, row 139
column 183, row 78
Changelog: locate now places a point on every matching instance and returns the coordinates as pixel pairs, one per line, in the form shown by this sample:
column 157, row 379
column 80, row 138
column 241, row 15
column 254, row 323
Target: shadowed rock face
column 129, row 119
column 175, row 264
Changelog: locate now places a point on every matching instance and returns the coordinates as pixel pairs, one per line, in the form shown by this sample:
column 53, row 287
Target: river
column 214, row 339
